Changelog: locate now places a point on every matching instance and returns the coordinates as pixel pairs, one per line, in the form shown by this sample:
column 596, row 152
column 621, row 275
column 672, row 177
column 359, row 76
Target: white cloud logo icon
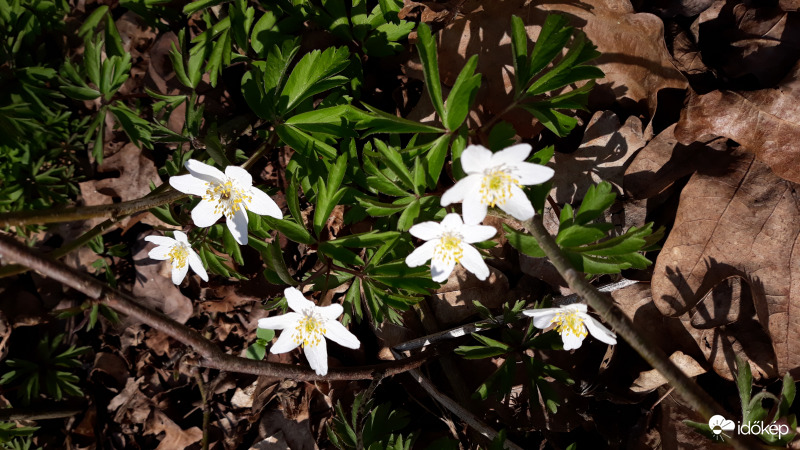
column 718, row 424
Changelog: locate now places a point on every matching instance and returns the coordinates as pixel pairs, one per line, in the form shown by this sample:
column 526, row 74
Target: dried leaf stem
column 209, row 355
column 699, row 400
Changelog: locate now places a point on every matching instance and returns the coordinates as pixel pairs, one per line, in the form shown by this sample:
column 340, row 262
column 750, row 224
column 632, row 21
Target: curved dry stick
column 209, row 354
column 114, row 211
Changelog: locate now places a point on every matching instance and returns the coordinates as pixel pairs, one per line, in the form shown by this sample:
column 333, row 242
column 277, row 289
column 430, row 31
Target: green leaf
column 435, row 160
column 232, row 247
column 597, row 199
column 341, row 254
column 744, row 381
column 79, row 92
column 326, row 204
column 558, row 123
column 426, row 47
column 265, row 334
column 377, row 121
column 409, row 215
column 332, row 121
column 275, row 261
column 525, row 243
column 576, row 235
column 501, row 136
column 304, row 143
column 213, row 262
column 314, row 73
column 368, row 239
column 257, row 351
column 519, row 51
column 553, row 37
column 180, row 69
column 462, row 95
column 290, row 229
column 91, row 22
column 394, row 160
column 195, row 6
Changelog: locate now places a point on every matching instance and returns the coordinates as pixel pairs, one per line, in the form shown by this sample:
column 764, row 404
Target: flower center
column 449, row 248
column 228, row 196
column 496, row 186
column 309, row 330
column 570, row 323
column 177, row 255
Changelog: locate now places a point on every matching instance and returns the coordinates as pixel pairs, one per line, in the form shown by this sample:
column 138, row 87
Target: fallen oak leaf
column 745, row 224
column 765, row 122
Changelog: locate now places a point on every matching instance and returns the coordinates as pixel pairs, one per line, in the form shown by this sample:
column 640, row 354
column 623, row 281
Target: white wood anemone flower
column 179, row 253
column 572, row 322
column 495, row 179
column 308, row 325
column 231, row 194
column 448, row 243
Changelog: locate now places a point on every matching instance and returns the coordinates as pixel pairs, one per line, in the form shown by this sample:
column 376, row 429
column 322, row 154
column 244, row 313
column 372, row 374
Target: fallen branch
column 209, row 355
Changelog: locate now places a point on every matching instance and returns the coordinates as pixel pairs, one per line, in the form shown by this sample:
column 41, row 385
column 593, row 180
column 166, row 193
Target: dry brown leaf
column 154, row 284
column 749, row 45
column 452, row 302
column 652, row 379
column 743, row 224
column 664, row 160
column 602, row 156
column 174, row 436
column 766, row 122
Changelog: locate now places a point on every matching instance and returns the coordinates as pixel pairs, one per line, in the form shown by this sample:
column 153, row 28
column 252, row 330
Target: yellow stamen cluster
column 570, row 322
column 227, row 195
column 309, row 330
column 178, row 255
column 496, row 186
column 449, row 248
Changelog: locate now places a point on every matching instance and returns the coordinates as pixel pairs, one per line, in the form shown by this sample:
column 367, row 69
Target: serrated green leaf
column 290, row 229
column 597, row 199
column 462, row 95
column 368, row 239
column 426, row 47
column 377, row 121
column 314, row 73
column 304, row 143
column 435, row 160
column 409, row 215
column 394, row 160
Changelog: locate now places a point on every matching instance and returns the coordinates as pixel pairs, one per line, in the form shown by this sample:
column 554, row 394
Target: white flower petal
column 197, row 265
column 511, row 155
column 473, row 209
column 180, row 236
column 530, row 173
column 331, row 312
column 452, row 222
column 317, row 357
column 542, row 318
column 160, row 253
column 336, row 332
column 204, row 171
column 472, row 260
column 421, row 254
column 461, row 190
column 285, row 343
column 426, row 230
column 441, row 270
column 160, row 240
column 599, row 331
column 475, row 159
column 260, row 203
column 518, row 205
column 579, row 307
column 477, row 233
column 204, row 214
column 571, row 341
column 179, row 273
column 239, row 175
column 188, row 184
column 238, row 226
column 288, row 320
column 297, row 301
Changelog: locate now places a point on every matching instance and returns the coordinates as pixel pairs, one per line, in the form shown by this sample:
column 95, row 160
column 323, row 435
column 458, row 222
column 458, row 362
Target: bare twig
column 52, row 412
column 209, row 354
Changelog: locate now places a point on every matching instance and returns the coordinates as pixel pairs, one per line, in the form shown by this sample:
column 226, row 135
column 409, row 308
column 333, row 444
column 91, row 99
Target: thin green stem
column 699, row 400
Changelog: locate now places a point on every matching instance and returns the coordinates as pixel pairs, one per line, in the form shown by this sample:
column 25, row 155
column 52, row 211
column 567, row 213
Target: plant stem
column 699, row 400
column 206, row 412
column 52, row 412
column 209, row 355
